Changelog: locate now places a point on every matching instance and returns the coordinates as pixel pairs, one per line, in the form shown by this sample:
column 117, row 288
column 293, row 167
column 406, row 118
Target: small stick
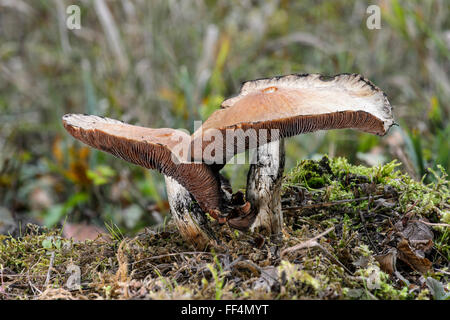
column 52, row 258
column 177, row 254
column 333, row 259
column 308, row 243
column 32, row 286
column 312, row 243
column 332, row 203
column 432, row 224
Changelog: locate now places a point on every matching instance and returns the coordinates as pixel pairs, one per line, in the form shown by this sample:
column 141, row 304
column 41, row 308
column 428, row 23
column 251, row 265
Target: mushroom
column 264, row 113
column 160, row 149
column 268, row 110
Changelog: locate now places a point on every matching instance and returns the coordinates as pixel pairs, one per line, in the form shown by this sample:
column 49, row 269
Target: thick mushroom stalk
column 191, row 222
column 264, row 181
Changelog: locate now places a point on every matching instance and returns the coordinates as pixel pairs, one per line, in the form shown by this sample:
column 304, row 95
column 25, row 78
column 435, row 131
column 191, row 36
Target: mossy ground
column 370, row 212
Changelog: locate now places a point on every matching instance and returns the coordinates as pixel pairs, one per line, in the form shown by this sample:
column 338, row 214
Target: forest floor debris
column 350, row 232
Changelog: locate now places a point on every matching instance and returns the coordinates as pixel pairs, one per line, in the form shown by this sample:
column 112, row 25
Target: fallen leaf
column 388, row 261
column 409, row 256
column 417, row 230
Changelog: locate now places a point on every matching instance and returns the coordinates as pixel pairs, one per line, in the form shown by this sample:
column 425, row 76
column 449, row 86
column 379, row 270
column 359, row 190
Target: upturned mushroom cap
column 159, row 149
column 294, row 104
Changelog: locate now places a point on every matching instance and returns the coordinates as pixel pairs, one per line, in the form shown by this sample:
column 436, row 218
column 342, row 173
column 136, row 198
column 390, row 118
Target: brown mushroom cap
column 150, row 148
column 296, row 104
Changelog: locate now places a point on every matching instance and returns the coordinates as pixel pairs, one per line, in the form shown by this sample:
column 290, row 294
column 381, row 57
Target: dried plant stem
column 331, row 203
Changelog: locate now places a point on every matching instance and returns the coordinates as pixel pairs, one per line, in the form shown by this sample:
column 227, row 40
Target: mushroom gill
column 290, row 105
column 159, row 149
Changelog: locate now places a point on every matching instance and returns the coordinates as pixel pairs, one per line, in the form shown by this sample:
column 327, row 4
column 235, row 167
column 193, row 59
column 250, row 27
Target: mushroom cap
column 159, row 149
column 294, row 104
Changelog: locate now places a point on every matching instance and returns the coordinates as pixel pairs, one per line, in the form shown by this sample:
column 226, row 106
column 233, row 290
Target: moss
column 312, row 174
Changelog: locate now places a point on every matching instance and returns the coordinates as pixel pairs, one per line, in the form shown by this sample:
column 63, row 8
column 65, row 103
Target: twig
column 237, row 260
column 432, row 224
column 411, row 207
column 333, row 259
column 312, row 243
column 443, row 271
column 331, row 203
column 52, row 258
column 307, row 244
column 32, row 286
column 176, row 254
column 440, row 253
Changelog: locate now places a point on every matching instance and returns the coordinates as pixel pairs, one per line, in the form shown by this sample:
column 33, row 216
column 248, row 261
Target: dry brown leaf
column 414, row 260
column 388, row 261
column 417, row 230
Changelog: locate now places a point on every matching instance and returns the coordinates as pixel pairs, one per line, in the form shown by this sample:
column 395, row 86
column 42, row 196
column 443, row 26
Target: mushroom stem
column 264, row 187
column 191, row 221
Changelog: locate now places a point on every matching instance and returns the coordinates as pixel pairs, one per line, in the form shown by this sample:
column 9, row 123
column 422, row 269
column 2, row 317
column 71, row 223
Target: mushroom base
column 264, row 188
column 190, row 219
column 260, row 210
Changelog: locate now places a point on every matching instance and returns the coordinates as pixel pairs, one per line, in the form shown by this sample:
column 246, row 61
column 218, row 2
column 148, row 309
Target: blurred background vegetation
column 167, row 63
